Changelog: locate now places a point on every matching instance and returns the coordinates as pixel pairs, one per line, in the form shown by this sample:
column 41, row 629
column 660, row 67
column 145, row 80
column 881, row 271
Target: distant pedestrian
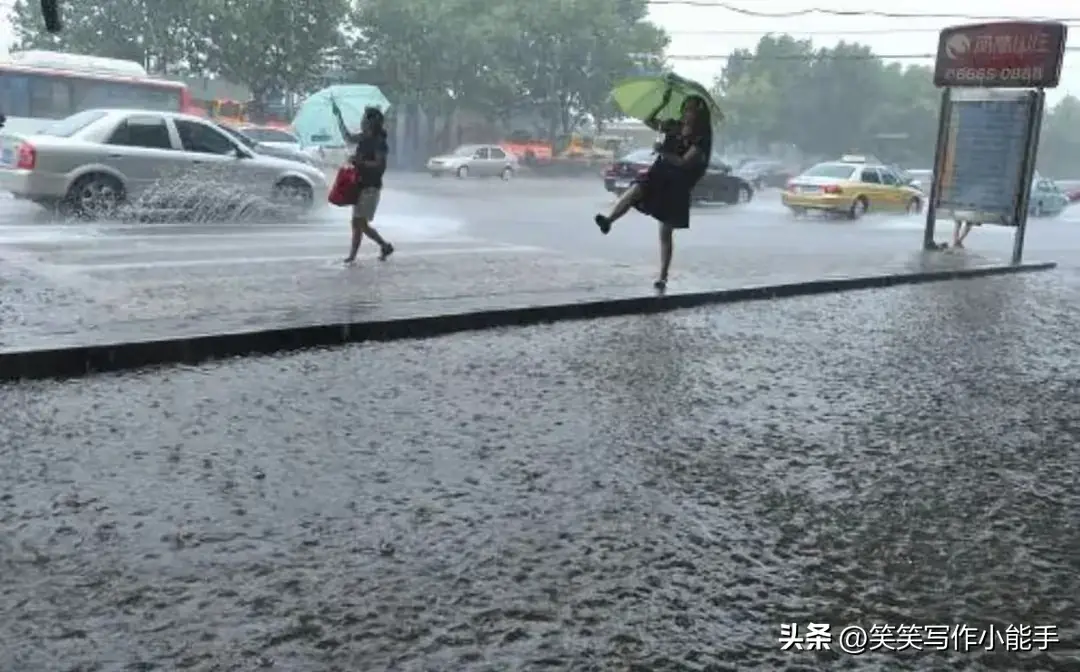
column 664, row 191
column 961, row 229
column 370, row 162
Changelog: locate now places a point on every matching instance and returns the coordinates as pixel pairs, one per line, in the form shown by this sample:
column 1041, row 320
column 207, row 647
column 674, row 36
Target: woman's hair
column 375, row 118
column 703, row 118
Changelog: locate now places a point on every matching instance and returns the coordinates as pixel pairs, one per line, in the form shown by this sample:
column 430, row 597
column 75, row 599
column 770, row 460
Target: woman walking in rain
column 664, row 191
column 370, row 162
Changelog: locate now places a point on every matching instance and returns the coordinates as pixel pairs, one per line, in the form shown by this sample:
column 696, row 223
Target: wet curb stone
column 67, row 362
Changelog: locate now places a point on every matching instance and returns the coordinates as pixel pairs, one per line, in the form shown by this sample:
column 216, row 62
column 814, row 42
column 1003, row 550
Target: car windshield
column 465, row 150
column 65, row 128
column 639, row 156
column 269, row 135
column 838, row 171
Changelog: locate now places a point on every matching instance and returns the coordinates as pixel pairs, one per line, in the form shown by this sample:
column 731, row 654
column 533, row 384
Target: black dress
column 667, row 188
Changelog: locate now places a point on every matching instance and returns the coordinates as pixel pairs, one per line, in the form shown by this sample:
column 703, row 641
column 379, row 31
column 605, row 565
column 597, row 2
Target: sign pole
column 1037, row 105
column 939, row 159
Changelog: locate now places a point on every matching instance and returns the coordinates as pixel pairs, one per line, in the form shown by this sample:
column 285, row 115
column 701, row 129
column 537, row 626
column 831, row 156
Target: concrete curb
column 66, row 362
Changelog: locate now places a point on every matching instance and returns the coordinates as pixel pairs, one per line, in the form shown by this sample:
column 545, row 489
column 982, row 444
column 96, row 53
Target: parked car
column 718, row 185
column 276, row 137
column 97, row 159
column 474, row 160
column 852, row 187
column 1047, row 198
column 267, row 148
column 762, row 174
column 919, row 178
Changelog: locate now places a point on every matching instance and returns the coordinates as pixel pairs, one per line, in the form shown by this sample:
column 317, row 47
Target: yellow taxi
column 851, row 187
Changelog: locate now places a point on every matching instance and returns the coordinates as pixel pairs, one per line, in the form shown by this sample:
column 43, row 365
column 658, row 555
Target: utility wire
column 819, row 31
column 810, row 11
column 815, row 57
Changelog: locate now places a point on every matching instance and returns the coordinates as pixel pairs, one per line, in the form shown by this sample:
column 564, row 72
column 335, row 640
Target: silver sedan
column 95, row 160
column 474, row 161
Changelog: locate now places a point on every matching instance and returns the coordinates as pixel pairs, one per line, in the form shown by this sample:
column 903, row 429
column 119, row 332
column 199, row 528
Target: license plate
column 622, row 184
column 7, row 154
column 809, row 190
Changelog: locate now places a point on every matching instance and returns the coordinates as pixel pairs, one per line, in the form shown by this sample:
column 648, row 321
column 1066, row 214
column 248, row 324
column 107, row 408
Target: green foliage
column 829, row 101
column 557, row 59
column 156, row 33
column 283, row 45
column 1059, row 149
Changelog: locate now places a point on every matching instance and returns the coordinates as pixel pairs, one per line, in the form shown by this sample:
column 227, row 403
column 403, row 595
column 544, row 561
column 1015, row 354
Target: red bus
column 39, row 86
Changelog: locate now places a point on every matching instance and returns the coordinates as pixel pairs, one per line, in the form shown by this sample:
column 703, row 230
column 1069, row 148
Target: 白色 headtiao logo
column 957, row 46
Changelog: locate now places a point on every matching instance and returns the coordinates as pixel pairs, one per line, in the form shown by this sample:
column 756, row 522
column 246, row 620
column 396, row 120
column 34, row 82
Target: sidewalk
column 141, row 302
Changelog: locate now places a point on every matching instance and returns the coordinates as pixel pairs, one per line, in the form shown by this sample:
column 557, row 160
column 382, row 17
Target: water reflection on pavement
column 652, row 493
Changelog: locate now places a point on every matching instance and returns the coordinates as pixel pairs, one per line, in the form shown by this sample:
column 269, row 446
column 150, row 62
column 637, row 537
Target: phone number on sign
column 994, row 74
column 856, row 639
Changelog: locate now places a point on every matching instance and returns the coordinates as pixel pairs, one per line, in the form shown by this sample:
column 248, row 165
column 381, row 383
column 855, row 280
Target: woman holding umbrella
column 664, row 191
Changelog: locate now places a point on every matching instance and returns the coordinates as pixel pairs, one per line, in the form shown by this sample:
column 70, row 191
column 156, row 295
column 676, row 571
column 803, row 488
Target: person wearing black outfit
column 664, row 191
column 370, row 162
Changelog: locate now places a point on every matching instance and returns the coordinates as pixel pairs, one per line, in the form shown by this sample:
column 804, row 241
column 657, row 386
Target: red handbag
column 346, row 188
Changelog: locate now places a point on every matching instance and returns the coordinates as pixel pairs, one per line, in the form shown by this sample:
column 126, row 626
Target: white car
column 477, row 160
column 95, row 160
column 272, row 137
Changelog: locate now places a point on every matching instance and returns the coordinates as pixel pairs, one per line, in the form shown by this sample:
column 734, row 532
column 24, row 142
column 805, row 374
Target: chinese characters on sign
column 1015, row 54
column 980, row 177
column 855, row 639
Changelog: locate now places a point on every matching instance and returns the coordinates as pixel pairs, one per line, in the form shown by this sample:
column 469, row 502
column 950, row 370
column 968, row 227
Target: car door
column 215, row 159
column 872, row 188
column 499, row 160
column 893, row 195
column 144, row 151
column 480, row 164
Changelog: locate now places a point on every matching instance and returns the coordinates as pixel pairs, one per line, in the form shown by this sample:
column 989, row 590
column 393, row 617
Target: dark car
column 764, row 174
column 275, row 151
column 717, row 186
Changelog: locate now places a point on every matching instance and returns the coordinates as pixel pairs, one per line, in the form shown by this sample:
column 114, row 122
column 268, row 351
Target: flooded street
column 652, row 493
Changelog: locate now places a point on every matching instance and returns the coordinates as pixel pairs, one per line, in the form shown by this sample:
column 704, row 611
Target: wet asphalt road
column 483, row 240
column 652, row 493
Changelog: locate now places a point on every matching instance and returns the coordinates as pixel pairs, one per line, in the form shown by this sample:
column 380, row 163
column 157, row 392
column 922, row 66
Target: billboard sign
column 1007, row 54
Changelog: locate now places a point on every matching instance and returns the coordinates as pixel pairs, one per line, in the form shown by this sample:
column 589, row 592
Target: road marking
column 231, row 261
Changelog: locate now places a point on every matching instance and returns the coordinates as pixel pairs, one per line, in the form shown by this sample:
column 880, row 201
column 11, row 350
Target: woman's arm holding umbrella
column 652, row 121
column 345, row 133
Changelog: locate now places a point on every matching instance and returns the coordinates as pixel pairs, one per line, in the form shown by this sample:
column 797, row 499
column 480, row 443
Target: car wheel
column 1037, row 211
column 914, row 206
column 746, row 194
column 294, row 191
column 94, row 196
column 507, row 173
column 798, row 212
column 463, row 172
column 858, row 208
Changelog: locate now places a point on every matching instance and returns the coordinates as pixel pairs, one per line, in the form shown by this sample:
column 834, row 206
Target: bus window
column 14, row 95
column 89, row 94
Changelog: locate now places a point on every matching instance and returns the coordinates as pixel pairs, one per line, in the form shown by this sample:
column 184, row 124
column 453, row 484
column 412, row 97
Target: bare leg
column 358, row 226
column 667, row 249
column 960, row 232
column 385, row 248
column 621, row 207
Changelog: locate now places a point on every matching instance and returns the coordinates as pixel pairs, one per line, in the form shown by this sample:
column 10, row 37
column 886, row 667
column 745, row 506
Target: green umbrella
column 638, row 97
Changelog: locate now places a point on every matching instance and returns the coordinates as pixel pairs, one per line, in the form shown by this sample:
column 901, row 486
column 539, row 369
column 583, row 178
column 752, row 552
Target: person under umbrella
column 664, row 191
column 370, row 162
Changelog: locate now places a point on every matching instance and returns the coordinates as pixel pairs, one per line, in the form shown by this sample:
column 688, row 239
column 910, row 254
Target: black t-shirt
column 367, row 147
column 697, row 169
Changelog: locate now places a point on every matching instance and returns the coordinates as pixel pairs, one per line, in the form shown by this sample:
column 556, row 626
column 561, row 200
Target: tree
column 570, row 54
column 268, row 45
column 156, row 33
column 829, row 101
column 1059, row 146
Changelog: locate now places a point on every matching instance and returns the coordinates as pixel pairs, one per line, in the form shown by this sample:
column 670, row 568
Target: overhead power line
column 810, row 11
column 810, row 33
column 815, row 57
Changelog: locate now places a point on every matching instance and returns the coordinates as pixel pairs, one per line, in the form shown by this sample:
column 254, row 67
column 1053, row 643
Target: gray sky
column 711, row 31
column 697, row 30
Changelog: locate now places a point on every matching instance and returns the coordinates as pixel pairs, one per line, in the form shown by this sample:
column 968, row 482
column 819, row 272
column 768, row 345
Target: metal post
column 1027, row 173
column 935, row 178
